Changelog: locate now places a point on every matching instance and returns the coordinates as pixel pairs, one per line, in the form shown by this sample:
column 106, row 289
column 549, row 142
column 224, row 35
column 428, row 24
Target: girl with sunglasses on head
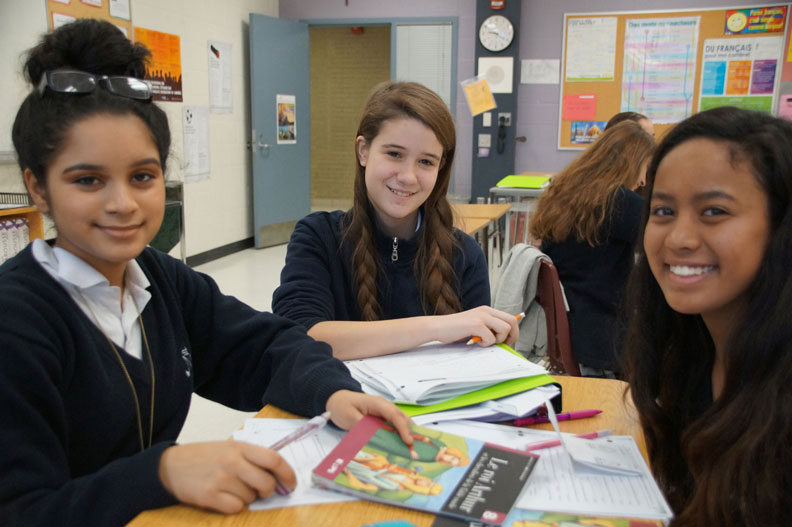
column 709, row 344
column 392, row 273
column 104, row 339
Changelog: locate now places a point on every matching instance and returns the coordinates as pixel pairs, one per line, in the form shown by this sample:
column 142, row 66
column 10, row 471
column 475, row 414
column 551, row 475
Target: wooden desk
column 492, row 212
column 578, row 393
column 471, row 226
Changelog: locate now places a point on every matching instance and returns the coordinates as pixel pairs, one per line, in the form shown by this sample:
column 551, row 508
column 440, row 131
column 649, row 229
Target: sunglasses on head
column 73, row 81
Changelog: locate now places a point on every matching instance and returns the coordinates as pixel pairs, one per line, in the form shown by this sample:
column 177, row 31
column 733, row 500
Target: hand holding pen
column 312, row 425
column 475, row 339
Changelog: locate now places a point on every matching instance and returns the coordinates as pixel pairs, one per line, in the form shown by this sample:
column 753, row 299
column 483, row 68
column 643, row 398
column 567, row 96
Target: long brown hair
column 390, row 100
column 728, row 463
column 580, row 198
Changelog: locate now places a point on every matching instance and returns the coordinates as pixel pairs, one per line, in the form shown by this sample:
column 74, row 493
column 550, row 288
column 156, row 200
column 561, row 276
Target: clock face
column 496, row 33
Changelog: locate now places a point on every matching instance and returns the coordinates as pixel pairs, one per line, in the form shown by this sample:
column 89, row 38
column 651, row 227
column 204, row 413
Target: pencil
column 478, row 339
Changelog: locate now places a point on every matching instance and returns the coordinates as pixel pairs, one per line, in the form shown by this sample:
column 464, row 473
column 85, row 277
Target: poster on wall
column 585, row 132
column 287, row 121
column 120, row 9
column 755, row 20
column 740, row 72
column 164, row 71
column 590, row 49
column 659, row 67
column 195, row 123
column 220, row 80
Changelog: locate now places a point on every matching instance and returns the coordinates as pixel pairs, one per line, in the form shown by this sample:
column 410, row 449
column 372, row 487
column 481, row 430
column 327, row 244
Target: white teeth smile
column 400, row 193
column 683, row 270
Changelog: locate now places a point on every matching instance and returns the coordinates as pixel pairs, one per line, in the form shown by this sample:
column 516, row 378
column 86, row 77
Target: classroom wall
column 218, row 210
column 541, row 34
column 463, row 10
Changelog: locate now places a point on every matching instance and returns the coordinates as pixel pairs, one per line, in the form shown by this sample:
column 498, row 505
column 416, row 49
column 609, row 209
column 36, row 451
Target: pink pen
column 535, row 420
column 314, row 424
column 556, row 442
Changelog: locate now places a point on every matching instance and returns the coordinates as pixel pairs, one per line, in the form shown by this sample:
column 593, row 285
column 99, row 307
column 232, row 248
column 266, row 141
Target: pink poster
column 579, row 107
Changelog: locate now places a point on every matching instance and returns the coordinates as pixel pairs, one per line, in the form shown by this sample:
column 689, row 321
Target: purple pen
column 579, row 414
column 315, row 423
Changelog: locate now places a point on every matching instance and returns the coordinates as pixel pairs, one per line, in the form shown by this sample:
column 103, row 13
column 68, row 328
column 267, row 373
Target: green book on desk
column 521, row 181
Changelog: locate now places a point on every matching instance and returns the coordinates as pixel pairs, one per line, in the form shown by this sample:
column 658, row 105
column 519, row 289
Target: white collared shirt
column 101, row 302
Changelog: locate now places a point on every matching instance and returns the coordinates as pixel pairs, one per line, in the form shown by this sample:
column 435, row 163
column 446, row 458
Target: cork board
column 596, row 87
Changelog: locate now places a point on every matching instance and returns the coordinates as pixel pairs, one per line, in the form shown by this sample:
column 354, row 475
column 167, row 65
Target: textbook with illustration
column 444, row 473
column 435, row 372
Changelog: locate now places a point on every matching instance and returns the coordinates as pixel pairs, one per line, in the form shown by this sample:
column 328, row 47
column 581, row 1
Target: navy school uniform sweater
column 318, row 283
column 69, row 447
column 594, row 280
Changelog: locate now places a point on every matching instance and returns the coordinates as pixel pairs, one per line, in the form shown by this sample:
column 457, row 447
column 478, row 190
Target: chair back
column 559, row 341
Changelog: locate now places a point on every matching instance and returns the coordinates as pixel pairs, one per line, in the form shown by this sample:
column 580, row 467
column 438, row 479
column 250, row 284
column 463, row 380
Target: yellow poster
column 478, row 95
column 164, row 71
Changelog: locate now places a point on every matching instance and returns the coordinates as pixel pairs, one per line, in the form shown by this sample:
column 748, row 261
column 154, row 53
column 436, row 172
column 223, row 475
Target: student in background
column 392, row 273
column 639, row 118
column 709, row 346
column 104, row 340
column 587, row 220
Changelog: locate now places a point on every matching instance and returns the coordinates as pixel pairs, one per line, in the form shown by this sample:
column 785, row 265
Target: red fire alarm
column 356, row 30
column 497, row 4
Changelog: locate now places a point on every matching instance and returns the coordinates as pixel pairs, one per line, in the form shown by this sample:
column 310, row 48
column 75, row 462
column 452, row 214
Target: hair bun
column 87, row 44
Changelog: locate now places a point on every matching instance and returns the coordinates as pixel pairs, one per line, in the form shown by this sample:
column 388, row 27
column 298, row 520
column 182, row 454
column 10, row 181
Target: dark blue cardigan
column 594, row 280
column 317, row 282
column 69, row 449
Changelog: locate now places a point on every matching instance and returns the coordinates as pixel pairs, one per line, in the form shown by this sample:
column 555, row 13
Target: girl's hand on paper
column 225, row 476
column 490, row 325
column 347, row 408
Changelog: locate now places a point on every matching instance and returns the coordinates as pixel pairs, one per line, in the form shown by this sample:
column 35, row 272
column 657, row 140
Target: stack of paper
column 434, row 373
column 522, row 404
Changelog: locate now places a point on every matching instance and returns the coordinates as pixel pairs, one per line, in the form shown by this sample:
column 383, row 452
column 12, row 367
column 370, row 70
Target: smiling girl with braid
column 392, row 273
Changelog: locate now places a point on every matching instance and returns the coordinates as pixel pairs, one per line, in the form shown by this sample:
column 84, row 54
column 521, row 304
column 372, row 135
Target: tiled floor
column 250, row 275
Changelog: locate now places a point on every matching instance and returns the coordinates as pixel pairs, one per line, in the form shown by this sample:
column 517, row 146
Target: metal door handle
column 255, row 145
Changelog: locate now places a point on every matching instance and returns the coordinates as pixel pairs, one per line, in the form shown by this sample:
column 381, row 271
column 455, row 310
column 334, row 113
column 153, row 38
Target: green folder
column 518, row 181
column 496, row 391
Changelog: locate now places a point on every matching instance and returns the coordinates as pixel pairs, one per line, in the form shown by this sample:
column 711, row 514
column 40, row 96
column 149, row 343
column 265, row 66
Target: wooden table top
column 470, row 225
column 578, row 393
column 491, row 211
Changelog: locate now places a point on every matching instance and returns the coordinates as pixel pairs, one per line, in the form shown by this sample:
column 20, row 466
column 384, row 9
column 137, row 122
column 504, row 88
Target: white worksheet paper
column 555, row 485
column 303, row 455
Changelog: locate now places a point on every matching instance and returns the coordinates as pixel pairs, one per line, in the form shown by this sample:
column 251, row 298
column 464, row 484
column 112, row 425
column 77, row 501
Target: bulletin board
column 118, row 12
column 655, row 63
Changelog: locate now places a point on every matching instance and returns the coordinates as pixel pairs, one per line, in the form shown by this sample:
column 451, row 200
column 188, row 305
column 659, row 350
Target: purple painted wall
column 541, row 32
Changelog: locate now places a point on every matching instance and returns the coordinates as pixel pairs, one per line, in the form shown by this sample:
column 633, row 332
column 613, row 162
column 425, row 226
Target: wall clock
column 496, row 33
